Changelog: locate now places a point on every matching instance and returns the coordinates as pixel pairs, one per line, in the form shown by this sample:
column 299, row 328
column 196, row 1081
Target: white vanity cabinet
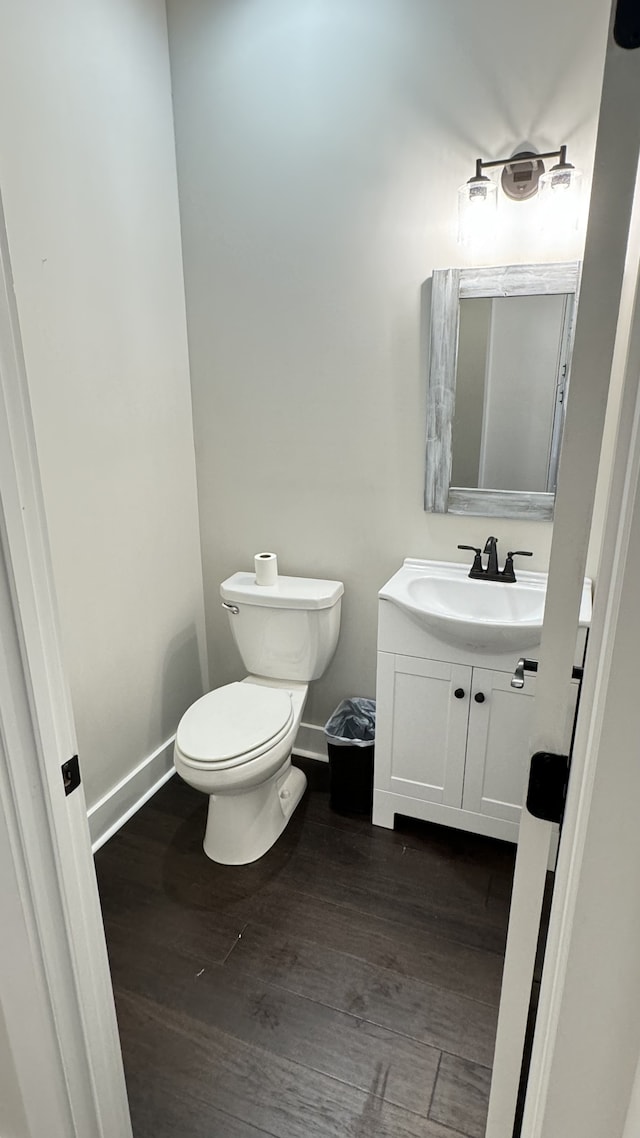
column 452, row 735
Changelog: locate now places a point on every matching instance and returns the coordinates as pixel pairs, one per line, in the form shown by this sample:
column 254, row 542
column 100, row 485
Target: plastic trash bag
column 353, row 723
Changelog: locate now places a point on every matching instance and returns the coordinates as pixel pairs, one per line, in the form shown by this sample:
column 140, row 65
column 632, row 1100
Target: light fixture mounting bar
column 513, row 161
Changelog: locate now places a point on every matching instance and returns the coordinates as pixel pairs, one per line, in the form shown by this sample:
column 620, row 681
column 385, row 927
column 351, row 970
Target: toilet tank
column 286, row 631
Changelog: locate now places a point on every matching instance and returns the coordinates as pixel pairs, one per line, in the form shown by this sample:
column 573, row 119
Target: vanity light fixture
column 523, row 176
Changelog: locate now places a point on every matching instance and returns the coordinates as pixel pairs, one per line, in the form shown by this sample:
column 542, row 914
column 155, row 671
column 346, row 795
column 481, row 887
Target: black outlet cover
column 626, row 28
column 548, row 781
column 71, row 774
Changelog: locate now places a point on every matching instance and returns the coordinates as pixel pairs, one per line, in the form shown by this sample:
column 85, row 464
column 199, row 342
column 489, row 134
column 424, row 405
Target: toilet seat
column 233, row 724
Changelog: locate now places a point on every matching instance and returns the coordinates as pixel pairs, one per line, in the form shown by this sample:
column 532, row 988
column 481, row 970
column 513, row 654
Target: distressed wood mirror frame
column 449, row 287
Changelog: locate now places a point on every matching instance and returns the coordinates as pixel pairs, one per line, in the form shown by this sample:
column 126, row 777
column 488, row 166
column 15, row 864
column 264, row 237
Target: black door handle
column 479, row 697
column 459, row 693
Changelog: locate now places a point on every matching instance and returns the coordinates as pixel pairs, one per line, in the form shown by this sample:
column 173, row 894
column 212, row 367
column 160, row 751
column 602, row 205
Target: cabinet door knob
column 479, row 697
column 459, row 693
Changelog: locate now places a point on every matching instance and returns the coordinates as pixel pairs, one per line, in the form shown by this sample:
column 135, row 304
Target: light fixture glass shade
column 559, row 198
column 477, row 202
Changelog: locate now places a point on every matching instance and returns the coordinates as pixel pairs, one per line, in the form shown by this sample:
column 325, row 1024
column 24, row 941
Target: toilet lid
column 232, row 721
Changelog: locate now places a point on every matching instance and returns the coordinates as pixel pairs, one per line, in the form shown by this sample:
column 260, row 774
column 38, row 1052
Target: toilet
column 235, row 743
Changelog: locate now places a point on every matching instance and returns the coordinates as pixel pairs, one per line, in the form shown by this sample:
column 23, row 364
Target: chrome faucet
column 492, row 572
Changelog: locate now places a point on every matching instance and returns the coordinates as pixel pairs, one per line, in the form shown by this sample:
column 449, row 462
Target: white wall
column 13, row 1122
column 88, row 178
column 320, row 146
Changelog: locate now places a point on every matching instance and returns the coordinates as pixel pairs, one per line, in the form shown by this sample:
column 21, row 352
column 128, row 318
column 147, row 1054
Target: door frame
column 55, row 986
column 601, row 342
column 615, row 571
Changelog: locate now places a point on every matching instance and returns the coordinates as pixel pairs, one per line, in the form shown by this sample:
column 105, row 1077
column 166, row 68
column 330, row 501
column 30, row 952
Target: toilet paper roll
column 266, row 568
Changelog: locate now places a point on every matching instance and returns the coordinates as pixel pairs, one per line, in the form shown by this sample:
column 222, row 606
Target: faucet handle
column 508, row 573
column 477, row 561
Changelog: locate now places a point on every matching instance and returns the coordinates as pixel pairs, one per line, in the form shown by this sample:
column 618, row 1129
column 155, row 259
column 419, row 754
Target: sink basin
column 488, row 616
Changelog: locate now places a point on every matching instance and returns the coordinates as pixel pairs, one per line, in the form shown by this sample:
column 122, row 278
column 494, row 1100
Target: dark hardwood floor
column 344, row 986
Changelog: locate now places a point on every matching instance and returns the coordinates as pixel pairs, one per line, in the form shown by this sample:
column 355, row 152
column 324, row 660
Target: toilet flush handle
column 230, row 608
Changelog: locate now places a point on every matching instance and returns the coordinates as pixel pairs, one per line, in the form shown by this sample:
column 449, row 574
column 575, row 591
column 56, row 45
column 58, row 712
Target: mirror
column 500, row 353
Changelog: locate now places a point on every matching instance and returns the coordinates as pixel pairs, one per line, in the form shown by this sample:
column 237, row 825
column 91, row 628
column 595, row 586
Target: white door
column 57, row 1018
column 615, row 172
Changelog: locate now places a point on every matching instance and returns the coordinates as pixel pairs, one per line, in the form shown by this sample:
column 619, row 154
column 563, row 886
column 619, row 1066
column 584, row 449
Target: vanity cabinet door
column 498, row 746
column 500, row 723
column 422, row 717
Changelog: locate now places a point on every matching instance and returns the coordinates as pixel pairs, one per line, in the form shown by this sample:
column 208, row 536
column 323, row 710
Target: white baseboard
column 311, row 742
column 123, row 800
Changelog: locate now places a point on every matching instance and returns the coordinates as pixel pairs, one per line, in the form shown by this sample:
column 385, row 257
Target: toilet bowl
column 234, row 743
column 227, row 747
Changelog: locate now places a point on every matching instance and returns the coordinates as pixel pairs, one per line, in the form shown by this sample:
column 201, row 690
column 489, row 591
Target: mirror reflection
column 500, row 342
column 510, row 391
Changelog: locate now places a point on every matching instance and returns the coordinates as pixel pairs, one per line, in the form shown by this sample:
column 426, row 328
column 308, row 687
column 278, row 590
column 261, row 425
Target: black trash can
column 350, row 735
